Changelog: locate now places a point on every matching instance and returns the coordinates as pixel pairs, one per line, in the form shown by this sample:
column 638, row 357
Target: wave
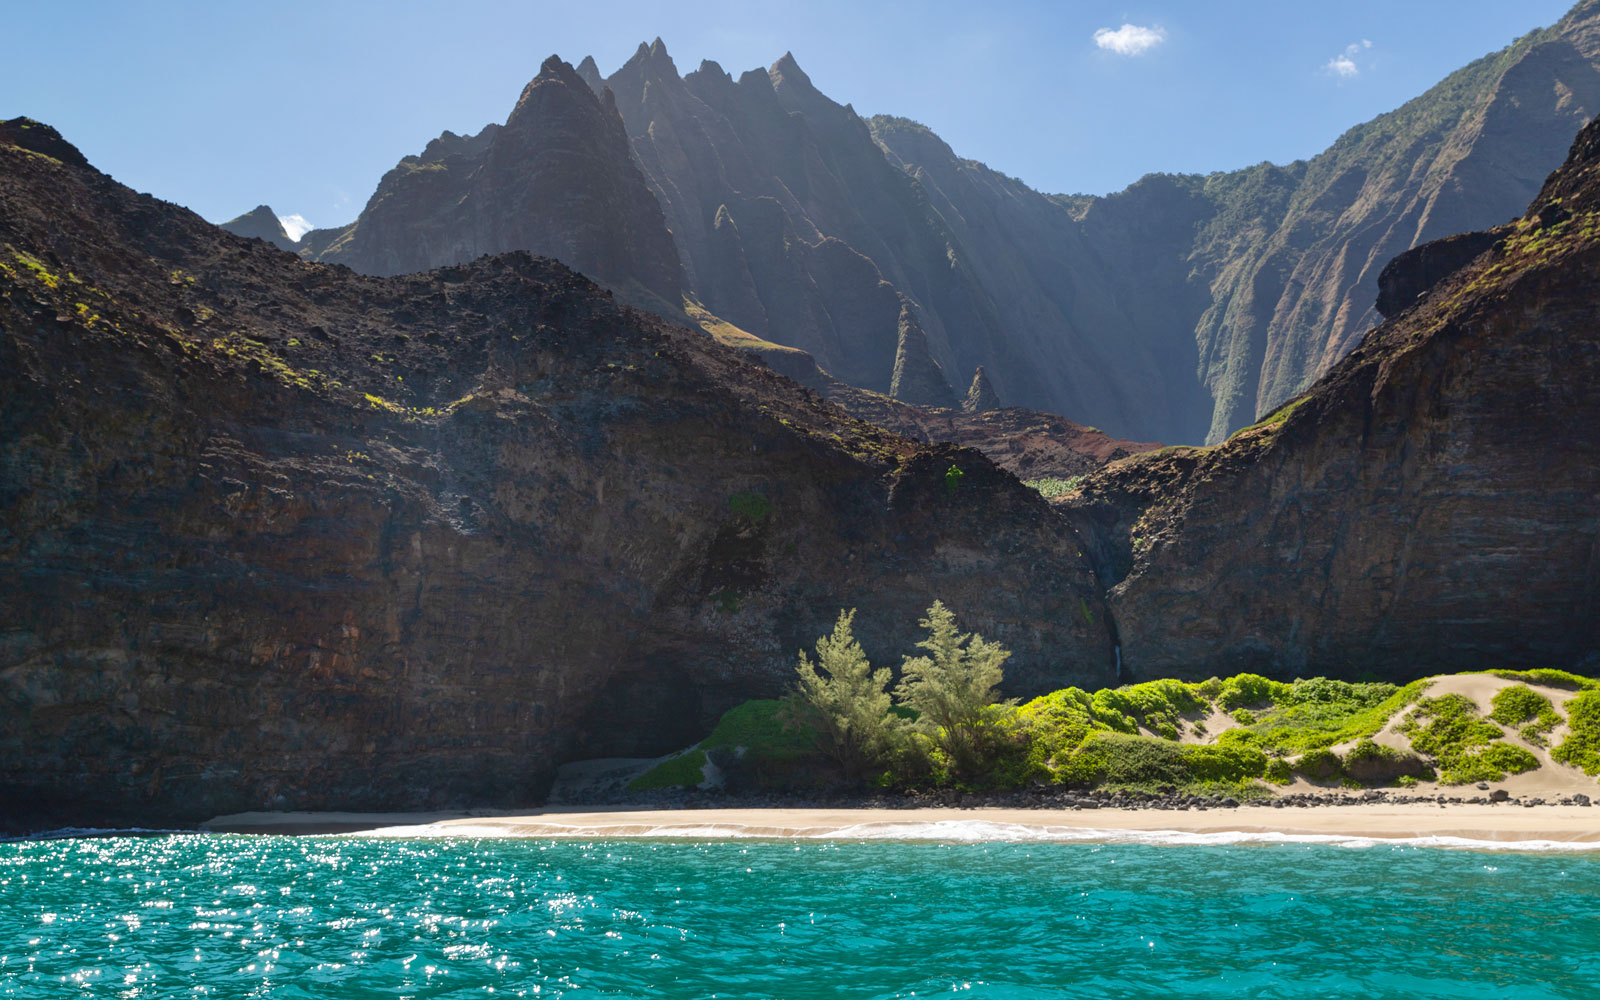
column 963, row 832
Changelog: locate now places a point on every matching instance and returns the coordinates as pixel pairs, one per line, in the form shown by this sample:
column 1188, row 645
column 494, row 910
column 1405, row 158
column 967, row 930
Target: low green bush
column 1320, row 764
column 1581, row 748
column 1519, row 703
column 1243, row 690
column 1375, row 764
column 1465, row 746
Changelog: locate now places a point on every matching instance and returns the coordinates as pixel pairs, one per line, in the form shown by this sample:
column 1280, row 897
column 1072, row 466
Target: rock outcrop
column 261, row 223
column 279, row 535
column 917, row 379
column 1430, row 505
column 981, row 396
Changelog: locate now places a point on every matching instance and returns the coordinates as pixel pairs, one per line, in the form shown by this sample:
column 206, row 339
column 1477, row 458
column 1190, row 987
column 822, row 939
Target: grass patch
column 1050, row 487
column 686, row 770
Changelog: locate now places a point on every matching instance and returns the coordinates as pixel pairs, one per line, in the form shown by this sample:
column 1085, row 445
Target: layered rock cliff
column 276, row 534
column 1432, row 504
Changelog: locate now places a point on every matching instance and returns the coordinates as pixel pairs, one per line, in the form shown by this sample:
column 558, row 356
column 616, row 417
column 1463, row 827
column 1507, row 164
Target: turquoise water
column 233, row 916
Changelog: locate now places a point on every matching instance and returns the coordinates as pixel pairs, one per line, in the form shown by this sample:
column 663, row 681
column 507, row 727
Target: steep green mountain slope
column 1431, row 504
column 1241, row 288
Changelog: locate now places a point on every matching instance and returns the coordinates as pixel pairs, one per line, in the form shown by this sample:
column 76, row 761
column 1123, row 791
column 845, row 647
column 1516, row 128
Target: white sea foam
column 960, row 832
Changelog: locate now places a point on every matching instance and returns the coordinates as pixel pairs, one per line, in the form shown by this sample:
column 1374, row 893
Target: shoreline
column 1502, row 826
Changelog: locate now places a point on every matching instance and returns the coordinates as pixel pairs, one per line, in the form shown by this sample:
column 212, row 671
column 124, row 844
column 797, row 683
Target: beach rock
column 1499, row 795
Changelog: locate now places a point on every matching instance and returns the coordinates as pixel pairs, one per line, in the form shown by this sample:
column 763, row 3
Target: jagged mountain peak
column 554, row 72
column 590, row 73
column 260, row 223
column 786, row 72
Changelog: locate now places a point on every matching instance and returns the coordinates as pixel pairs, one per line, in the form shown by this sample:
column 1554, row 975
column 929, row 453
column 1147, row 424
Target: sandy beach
column 1503, row 824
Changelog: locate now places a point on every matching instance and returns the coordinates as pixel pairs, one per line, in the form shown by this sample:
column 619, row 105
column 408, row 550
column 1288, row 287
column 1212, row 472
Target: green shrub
column 1550, row 678
column 1249, row 689
column 1157, row 705
column 1244, row 717
column 1519, row 703
column 1279, row 771
column 1581, row 748
column 1320, row 764
column 1147, row 762
column 1465, row 746
column 1375, row 764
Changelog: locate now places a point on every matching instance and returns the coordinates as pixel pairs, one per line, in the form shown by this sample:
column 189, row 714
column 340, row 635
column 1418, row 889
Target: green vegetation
column 942, row 725
column 952, row 479
column 845, row 703
column 1518, row 704
column 751, row 506
column 1050, row 487
column 1581, row 748
column 1468, row 748
column 952, row 688
column 686, row 770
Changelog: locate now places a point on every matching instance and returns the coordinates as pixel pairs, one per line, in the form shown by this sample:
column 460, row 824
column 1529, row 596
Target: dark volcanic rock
column 981, row 396
column 261, row 223
column 276, row 534
column 557, row 180
column 1409, row 276
column 1428, row 506
column 918, row 379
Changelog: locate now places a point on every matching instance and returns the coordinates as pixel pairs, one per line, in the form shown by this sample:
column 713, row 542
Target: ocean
column 201, row 915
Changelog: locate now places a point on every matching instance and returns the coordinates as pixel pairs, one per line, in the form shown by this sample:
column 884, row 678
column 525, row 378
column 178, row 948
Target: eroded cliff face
column 557, row 179
column 275, row 534
column 1432, row 504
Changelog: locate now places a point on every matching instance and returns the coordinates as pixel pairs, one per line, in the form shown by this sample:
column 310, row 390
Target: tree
column 846, row 702
column 952, row 688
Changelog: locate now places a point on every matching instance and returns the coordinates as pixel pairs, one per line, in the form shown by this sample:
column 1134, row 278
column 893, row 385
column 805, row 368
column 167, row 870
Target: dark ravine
column 1432, row 504
column 275, row 534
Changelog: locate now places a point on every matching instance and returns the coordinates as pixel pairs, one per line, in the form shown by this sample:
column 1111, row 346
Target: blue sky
column 221, row 106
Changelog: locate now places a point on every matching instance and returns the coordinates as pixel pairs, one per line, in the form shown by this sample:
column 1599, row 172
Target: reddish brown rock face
column 275, row 534
column 1433, row 504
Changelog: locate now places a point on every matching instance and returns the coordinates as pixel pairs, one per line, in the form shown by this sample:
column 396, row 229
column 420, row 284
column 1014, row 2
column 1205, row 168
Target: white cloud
column 1344, row 64
column 1130, row 39
column 295, row 225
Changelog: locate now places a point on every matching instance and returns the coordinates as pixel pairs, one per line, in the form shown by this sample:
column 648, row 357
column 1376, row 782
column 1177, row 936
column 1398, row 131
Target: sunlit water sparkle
column 236, row 916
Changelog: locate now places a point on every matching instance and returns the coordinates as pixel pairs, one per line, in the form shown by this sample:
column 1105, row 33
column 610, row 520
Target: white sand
column 1491, row 824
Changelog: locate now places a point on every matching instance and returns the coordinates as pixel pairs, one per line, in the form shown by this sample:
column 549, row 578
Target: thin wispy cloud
column 1344, row 65
column 295, row 225
column 1130, row 39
